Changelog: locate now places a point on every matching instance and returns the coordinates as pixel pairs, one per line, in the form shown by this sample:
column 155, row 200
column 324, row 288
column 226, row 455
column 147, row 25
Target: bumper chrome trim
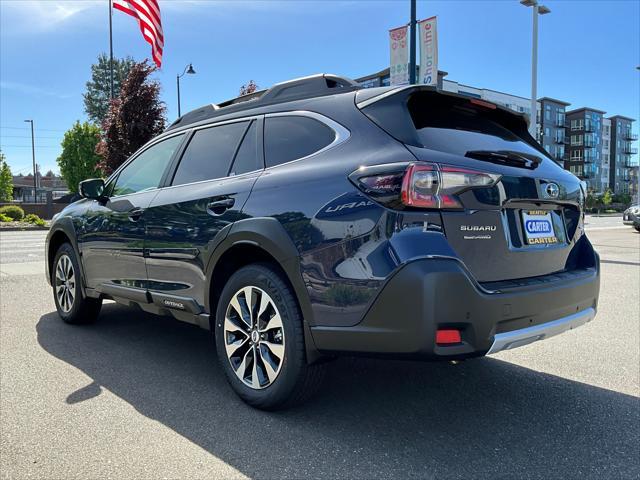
column 524, row 336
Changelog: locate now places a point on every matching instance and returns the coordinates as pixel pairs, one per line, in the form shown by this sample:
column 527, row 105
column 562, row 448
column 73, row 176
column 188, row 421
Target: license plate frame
column 538, row 228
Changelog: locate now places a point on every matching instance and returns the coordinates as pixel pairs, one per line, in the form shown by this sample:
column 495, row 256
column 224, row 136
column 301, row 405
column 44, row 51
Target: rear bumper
column 439, row 293
column 525, row 336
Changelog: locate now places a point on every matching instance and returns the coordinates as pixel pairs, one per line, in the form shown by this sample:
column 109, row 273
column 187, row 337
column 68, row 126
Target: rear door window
column 209, row 153
column 288, row 138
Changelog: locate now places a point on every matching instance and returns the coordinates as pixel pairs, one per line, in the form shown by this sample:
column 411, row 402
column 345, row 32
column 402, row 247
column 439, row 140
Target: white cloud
column 27, row 16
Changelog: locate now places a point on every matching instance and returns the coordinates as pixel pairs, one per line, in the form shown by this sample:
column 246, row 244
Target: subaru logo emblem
column 552, row 190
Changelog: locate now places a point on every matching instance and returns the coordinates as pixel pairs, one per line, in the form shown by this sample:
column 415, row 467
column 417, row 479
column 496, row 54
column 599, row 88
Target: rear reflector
column 448, row 337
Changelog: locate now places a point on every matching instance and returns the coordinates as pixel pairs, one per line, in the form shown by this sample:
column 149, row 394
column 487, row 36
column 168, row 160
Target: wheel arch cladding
column 258, row 240
column 62, row 232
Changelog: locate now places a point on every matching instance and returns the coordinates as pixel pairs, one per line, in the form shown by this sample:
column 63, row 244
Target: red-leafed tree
column 134, row 118
column 248, row 88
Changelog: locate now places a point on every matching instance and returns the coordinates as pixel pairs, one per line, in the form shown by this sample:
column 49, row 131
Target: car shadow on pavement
column 372, row 419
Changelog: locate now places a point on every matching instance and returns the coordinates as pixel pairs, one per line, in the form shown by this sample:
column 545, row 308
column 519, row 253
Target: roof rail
column 296, row 89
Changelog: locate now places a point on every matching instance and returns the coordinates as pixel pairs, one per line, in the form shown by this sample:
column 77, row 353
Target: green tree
column 98, row 94
column 607, row 198
column 134, row 118
column 6, row 180
column 78, row 160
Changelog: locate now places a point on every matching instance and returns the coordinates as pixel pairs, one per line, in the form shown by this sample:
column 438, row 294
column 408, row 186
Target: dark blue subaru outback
column 317, row 219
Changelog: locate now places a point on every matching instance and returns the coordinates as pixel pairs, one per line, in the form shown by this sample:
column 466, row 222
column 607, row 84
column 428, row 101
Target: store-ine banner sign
column 399, row 68
column 428, row 51
column 399, row 47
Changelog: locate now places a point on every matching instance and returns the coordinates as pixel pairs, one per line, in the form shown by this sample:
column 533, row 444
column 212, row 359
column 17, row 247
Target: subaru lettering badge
column 552, row 190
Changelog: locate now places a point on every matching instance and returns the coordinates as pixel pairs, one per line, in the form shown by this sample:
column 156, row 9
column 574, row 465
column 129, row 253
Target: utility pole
column 33, row 157
column 638, row 172
column 412, row 44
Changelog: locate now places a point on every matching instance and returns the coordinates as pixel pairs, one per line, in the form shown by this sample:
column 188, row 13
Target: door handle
column 220, row 206
column 135, row 214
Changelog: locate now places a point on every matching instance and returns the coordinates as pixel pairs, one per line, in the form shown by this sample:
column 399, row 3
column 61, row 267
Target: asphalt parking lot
column 135, row 396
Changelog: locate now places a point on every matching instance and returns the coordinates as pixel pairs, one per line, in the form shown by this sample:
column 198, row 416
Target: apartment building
column 551, row 127
column 583, row 155
column 621, row 151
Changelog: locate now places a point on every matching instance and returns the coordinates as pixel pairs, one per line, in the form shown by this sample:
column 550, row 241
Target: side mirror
column 91, row 188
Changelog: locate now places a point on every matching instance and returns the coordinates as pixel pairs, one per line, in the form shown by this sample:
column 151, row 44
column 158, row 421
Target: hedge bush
column 13, row 211
column 35, row 219
column 5, row 218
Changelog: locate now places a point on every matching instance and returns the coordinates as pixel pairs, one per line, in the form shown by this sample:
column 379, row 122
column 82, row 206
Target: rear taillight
column 421, row 185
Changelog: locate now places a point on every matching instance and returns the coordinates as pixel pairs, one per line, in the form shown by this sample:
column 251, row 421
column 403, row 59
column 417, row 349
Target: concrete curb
column 21, row 229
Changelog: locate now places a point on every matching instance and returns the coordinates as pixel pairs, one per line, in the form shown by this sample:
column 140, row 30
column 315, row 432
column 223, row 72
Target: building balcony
column 630, row 136
column 560, row 139
column 560, row 122
column 589, row 127
column 629, row 150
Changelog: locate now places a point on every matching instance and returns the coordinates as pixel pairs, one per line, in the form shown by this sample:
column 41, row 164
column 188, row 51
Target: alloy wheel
column 65, row 283
column 254, row 337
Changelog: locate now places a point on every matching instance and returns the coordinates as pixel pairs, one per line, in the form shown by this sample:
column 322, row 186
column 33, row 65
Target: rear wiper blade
column 506, row 157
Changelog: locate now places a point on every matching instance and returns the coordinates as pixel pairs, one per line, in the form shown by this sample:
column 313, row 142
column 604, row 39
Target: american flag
column 147, row 12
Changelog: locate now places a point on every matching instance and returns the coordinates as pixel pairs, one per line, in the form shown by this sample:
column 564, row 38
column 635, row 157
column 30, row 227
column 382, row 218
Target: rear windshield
column 459, row 126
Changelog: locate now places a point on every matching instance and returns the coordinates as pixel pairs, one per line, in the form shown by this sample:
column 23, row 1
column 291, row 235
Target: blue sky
column 588, row 53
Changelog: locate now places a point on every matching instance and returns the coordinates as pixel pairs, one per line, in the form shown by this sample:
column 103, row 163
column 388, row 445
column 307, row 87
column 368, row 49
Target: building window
column 576, row 155
column 577, row 124
column 576, row 140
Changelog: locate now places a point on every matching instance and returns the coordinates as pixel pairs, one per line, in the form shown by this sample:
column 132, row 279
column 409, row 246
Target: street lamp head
column 542, row 10
column 529, row 3
column 191, row 71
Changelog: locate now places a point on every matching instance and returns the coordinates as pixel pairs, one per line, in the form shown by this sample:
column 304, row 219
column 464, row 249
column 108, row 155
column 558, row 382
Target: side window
column 247, row 157
column 209, row 153
column 146, row 170
column 292, row 137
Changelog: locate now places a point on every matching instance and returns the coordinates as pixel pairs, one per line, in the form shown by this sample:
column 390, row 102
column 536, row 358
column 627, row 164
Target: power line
column 29, row 146
column 25, row 136
column 37, row 129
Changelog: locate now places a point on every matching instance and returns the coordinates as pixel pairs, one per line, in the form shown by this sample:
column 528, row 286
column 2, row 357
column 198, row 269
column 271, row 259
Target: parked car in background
column 318, row 219
column 631, row 216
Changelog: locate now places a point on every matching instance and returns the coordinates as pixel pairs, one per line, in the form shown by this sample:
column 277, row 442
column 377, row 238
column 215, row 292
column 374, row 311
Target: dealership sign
column 428, row 51
column 399, row 70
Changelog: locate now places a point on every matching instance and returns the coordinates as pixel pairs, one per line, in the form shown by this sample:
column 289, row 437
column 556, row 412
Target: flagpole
column 111, row 47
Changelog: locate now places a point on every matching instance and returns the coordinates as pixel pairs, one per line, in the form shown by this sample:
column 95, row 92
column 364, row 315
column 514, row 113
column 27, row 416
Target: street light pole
column 537, row 10
column 33, row 156
column 187, row 70
column 534, row 74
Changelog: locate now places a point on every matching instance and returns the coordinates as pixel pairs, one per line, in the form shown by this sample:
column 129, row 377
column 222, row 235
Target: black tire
column 296, row 380
column 637, row 227
column 79, row 310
